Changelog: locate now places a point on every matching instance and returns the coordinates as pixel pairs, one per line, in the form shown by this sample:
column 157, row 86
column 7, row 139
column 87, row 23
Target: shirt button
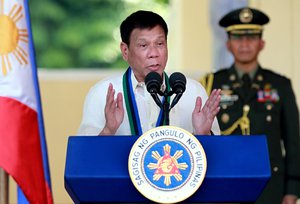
column 275, row 169
column 246, row 108
column 269, row 107
column 260, row 78
column 225, row 118
column 269, row 118
column 232, row 77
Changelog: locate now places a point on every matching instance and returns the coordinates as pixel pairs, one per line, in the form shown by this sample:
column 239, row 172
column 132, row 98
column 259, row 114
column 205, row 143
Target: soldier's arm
column 291, row 138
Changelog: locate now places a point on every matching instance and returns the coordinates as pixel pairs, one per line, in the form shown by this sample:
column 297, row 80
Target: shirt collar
column 241, row 73
column 136, row 84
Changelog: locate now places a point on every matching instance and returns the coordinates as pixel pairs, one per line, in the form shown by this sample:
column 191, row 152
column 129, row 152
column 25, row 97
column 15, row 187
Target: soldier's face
column 245, row 48
column 146, row 52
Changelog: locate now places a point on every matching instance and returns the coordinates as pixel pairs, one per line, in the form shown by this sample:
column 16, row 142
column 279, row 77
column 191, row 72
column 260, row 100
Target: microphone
column 153, row 83
column 177, row 82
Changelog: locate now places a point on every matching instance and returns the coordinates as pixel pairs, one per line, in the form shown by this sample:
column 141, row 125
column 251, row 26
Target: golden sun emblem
column 11, row 37
column 167, row 165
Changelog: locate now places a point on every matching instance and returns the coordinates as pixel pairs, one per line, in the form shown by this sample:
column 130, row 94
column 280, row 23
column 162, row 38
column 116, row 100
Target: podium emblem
column 167, row 164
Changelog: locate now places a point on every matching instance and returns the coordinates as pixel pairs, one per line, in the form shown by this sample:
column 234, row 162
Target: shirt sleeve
column 291, row 140
column 93, row 119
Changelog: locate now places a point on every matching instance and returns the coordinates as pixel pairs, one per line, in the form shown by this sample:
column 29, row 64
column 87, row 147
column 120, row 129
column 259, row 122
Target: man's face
column 146, row 52
column 245, row 48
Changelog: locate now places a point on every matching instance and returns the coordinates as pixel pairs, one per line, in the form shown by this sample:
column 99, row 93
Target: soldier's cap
column 244, row 21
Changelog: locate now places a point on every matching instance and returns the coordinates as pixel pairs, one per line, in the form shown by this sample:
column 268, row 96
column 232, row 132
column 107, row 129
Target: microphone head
column 153, row 82
column 177, row 82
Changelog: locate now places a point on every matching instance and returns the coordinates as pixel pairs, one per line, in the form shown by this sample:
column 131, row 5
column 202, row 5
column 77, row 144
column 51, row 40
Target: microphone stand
column 166, row 110
column 166, row 106
column 177, row 82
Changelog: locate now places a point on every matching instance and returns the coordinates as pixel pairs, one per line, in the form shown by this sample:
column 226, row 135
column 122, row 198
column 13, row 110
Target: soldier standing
column 255, row 100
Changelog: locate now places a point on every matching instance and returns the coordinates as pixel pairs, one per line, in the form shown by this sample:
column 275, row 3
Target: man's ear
column 124, row 49
column 262, row 44
column 228, row 45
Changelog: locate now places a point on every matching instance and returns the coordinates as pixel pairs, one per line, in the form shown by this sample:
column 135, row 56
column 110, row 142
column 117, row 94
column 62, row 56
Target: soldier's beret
column 244, row 21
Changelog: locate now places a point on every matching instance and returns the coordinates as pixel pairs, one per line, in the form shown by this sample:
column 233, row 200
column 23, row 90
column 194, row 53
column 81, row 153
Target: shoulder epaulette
column 207, row 82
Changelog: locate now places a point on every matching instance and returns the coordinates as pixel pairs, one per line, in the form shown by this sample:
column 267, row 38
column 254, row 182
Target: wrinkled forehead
column 153, row 33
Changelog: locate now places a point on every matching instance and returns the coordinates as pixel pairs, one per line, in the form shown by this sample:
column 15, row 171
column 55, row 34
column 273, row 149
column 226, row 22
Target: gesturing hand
column 114, row 112
column 203, row 118
column 289, row 199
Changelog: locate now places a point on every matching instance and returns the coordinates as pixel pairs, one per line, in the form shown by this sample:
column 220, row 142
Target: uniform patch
column 167, row 164
column 227, row 98
column 267, row 95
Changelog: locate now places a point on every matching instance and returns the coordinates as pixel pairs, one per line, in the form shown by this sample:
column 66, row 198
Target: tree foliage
column 77, row 34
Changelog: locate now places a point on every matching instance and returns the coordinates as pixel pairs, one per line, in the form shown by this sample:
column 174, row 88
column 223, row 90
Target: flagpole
column 3, row 187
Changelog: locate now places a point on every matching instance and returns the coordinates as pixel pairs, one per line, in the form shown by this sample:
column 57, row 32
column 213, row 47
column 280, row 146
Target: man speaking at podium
column 121, row 105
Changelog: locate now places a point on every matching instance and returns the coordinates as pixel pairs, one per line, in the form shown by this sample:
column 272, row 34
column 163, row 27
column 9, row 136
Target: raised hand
column 203, row 118
column 289, row 199
column 114, row 112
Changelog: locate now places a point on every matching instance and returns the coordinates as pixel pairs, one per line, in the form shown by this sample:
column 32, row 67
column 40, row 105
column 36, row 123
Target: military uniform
column 268, row 107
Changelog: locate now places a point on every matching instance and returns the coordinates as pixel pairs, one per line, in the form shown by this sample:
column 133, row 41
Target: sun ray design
column 8, row 62
column 156, row 155
column 14, row 40
column 20, row 55
column 23, row 35
column 3, row 65
column 12, row 10
column 167, row 165
column 18, row 15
